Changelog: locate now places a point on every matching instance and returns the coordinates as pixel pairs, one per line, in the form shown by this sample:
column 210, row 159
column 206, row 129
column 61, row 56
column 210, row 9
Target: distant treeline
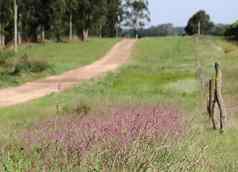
column 162, row 30
column 199, row 23
column 169, row 29
column 232, row 31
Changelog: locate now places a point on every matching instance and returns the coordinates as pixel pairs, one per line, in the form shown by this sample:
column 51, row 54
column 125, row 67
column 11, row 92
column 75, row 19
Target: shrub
column 5, row 55
column 25, row 64
column 232, row 31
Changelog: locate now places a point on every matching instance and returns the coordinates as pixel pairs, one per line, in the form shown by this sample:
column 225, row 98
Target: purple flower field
column 122, row 126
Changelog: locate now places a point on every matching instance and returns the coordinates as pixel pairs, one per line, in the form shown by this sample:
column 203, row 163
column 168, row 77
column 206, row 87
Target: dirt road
column 117, row 56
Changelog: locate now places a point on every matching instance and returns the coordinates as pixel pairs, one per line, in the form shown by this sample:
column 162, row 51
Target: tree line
column 167, row 29
column 199, row 23
column 37, row 20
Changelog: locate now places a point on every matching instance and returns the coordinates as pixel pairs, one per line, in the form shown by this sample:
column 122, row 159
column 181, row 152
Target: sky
column 179, row 11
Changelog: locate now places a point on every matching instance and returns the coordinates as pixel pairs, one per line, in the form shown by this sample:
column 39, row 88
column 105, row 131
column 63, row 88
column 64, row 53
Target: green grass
column 162, row 71
column 153, row 75
column 59, row 56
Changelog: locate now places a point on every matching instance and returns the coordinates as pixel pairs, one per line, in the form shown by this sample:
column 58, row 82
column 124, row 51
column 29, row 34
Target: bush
column 232, row 31
column 24, row 64
column 5, row 55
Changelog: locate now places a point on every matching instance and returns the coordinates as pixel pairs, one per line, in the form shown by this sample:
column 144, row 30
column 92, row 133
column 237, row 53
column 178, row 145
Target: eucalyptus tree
column 15, row 24
column 136, row 14
column 90, row 13
column 6, row 21
column 32, row 18
column 71, row 15
column 58, row 10
column 113, row 18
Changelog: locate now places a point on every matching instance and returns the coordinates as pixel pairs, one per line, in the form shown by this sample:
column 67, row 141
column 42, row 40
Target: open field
column 112, row 60
column 165, row 73
column 55, row 58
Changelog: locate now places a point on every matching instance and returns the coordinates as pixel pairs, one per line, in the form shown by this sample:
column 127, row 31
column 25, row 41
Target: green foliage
column 136, row 14
column 25, row 64
column 5, row 55
column 162, row 30
column 232, row 30
column 219, row 29
column 200, row 18
column 113, row 18
column 40, row 60
column 163, row 71
column 52, row 17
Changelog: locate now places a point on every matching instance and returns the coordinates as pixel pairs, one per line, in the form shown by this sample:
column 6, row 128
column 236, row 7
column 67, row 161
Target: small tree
column 199, row 23
column 136, row 14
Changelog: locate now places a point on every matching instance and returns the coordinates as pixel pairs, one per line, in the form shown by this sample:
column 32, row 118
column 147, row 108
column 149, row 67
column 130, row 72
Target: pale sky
column 179, row 11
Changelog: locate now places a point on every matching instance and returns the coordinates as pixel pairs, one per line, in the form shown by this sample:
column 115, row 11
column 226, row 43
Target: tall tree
column 71, row 14
column 136, row 14
column 37, row 19
column 15, row 25
column 6, row 20
column 113, row 18
column 199, row 23
column 90, row 13
column 58, row 8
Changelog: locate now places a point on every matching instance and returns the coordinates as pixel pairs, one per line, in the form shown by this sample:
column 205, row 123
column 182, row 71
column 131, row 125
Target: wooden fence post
column 218, row 96
column 211, row 103
column 215, row 96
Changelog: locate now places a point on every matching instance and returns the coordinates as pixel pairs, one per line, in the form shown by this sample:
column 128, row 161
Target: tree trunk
column 117, row 30
column 3, row 40
column 85, row 35
column 19, row 33
column 15, row 26
column 42, row 34
column 1, row 35
column 70, row 28
column 199, row 28
column 19, row 38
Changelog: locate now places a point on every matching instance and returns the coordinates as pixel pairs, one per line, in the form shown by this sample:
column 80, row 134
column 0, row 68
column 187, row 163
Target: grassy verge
column 162, row 71
column 155, row 74
column 55, row 57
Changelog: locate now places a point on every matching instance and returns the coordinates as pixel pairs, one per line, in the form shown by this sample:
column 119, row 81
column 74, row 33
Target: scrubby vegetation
column 232, row 31
column 12, row 68
column 96, row 143
column 35, row 61
column 122, row 121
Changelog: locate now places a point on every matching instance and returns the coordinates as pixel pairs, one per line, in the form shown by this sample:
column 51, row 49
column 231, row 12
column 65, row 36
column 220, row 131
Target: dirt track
column 117, row 56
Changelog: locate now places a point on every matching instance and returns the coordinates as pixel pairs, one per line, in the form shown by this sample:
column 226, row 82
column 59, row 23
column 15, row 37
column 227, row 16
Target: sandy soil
column 117, row 56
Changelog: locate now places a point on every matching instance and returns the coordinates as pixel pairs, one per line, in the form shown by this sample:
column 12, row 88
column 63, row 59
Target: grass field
column 163, row 72
column 59, row 57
